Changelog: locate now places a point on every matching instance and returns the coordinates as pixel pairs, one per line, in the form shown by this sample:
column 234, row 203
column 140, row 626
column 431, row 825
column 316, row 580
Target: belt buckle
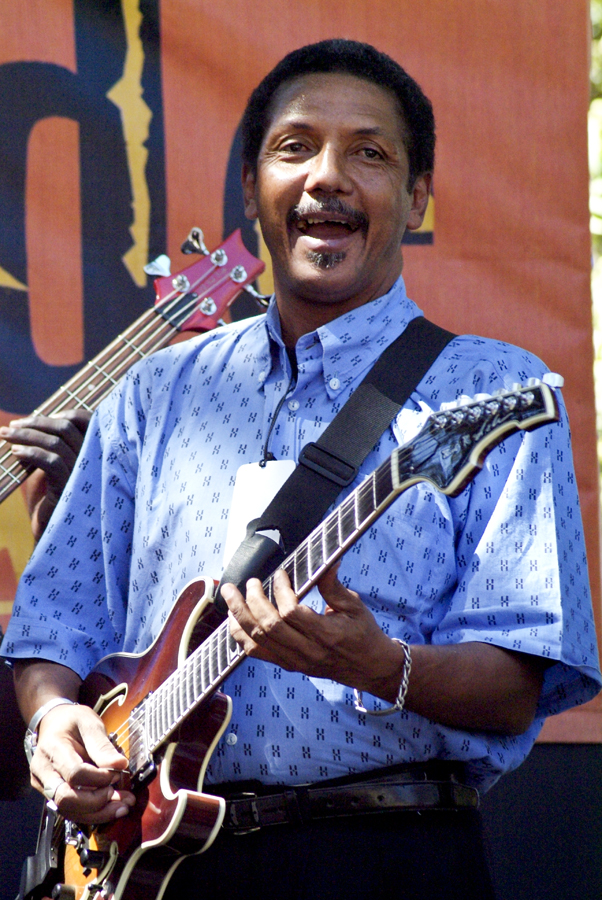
column 234, row 825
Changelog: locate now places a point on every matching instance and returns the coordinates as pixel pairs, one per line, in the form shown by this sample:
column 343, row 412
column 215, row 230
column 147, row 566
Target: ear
column 248, row 191
column 420, row 198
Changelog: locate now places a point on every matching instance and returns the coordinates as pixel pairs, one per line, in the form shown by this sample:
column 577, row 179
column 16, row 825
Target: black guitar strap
column 332, row 462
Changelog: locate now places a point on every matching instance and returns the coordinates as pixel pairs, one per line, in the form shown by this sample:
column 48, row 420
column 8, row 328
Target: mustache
column 329, row 205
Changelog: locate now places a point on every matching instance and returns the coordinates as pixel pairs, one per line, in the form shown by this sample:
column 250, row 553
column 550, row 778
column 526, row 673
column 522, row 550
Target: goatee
column 325, row 260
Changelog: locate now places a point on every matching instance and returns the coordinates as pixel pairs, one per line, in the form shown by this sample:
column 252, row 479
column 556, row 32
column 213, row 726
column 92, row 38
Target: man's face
column 331, row 192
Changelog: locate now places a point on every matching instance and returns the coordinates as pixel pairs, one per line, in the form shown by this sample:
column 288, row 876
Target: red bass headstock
column 196, row 298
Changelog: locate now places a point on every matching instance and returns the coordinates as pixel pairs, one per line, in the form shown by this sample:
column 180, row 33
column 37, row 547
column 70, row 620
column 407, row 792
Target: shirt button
column 231, row 739
column 293, row 405
column 262, row 377
column 334, row 384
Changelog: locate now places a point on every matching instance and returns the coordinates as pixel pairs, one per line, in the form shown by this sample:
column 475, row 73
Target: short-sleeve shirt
column 146, row 511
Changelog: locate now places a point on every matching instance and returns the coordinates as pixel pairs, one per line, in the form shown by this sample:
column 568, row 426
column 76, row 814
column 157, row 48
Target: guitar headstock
column 455, row 441
column 196, row 298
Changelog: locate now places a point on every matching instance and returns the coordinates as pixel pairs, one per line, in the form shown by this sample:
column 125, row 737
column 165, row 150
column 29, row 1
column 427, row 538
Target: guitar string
column 121, row 367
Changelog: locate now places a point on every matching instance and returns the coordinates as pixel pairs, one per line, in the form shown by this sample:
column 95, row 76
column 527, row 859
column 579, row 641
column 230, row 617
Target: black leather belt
column 403, row 790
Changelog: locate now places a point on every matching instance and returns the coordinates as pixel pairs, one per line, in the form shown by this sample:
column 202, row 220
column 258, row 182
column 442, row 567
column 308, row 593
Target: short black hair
column 349, row 58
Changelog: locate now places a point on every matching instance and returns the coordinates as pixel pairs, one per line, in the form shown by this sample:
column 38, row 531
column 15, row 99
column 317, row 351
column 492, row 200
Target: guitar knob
column 93, row 859
column 63, row 892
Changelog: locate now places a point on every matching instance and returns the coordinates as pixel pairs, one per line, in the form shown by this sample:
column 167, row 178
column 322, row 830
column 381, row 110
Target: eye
column 293, row 147
column 371, row 153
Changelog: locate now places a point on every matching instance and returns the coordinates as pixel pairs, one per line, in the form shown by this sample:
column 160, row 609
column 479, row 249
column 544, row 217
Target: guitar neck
column 92, row 384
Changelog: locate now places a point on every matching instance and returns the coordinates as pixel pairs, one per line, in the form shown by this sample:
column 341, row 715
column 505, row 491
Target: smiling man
column 368, row 716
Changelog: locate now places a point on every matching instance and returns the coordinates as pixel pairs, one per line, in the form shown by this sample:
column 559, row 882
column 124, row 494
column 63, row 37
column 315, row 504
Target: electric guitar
column 163, row 708
column 193, row 300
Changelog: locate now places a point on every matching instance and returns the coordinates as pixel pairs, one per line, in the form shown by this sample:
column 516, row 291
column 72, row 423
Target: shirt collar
column 351, row 343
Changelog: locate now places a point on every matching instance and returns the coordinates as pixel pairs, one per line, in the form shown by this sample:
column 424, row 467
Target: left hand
column 344, row 644
column 51, row 444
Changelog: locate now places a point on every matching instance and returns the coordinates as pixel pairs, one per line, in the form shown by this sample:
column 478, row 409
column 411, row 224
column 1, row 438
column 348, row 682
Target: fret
column 223, row 648
column 331, row 537
column 205, row 664
column 6, row 473
column 365, row 500
column 383, row 483
column 132, row 345
column 269, row 590
column 191, row 693
column 164, row 718
column 148, row 723
column 105, row 375
column 153, row 718
column 347, row 518
column 300, row 567
column 213, row 669
column 196, row 670
column 234, row 651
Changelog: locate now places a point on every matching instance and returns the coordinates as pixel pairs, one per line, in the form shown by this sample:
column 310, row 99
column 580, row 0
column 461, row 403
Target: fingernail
column 121, row 812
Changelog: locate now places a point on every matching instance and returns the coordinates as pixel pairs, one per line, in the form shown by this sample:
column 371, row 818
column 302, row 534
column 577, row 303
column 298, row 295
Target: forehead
column 335, row 97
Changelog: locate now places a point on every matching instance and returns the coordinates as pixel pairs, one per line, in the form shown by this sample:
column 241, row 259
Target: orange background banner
column 510, row 256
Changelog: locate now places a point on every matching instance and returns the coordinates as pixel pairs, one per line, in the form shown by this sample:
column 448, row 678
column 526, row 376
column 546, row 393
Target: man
column 472, row 618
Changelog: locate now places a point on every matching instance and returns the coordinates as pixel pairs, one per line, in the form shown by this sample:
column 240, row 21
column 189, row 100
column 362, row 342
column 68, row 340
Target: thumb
column 97, row 745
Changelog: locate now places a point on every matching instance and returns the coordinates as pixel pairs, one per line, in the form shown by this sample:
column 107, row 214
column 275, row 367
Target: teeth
column 302, row 224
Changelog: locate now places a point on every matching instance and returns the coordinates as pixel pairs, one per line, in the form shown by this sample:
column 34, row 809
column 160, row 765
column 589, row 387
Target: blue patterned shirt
column 146, row 511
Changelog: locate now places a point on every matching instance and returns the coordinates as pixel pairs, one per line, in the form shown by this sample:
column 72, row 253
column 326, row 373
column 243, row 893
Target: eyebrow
column 302, row 125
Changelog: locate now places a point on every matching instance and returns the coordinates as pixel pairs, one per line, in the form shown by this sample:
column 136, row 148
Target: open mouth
column 328, row 221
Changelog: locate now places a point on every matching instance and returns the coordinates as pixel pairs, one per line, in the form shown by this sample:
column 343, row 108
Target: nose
column 328, row 172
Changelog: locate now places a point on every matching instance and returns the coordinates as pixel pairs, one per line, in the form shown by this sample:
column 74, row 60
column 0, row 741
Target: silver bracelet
column 31, row 735
column 403, row 687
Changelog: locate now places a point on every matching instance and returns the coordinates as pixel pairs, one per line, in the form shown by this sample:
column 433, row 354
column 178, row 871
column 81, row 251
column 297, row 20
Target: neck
column 299, row 315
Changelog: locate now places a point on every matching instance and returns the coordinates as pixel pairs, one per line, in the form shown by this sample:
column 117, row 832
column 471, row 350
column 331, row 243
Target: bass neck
column 194, row 300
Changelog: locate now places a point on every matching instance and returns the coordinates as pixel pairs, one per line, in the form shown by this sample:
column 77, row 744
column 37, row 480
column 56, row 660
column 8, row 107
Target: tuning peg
column 480, row 397
column 533, row 382
column 195, row 243
column 159, row 266
column 464, row 399
column 553, row 380
column 449, row 404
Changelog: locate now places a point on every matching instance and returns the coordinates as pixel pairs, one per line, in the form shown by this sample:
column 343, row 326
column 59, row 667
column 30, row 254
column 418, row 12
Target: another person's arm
column 51, row 444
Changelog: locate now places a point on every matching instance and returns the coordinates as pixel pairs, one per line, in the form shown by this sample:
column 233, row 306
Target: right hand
column 74, row 753
column 51, row 444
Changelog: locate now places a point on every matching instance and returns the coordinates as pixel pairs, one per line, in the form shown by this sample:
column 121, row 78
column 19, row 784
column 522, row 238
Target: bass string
column 154, row 325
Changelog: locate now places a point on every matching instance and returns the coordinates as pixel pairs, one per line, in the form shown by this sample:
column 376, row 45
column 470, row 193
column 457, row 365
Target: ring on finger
column 49, row 790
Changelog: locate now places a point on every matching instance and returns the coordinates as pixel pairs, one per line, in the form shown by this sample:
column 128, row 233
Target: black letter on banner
column 32, row 91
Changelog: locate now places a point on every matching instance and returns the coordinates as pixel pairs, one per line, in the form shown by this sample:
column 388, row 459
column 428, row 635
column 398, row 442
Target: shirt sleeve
column 71, row 603
column 522, row 580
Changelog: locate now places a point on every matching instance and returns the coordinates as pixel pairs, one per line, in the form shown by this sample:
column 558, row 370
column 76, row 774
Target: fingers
column 60, row 435
column 77, row 767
